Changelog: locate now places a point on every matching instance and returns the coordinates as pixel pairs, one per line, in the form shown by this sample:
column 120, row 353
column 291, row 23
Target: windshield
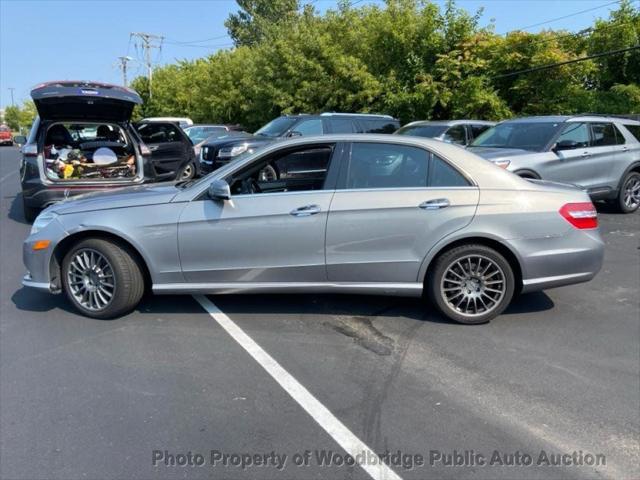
column 277, row 127
column 198, row 134
column 534, row 136
column 429, row 131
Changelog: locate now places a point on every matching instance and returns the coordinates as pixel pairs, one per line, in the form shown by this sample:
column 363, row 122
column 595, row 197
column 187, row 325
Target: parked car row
column 79, row 123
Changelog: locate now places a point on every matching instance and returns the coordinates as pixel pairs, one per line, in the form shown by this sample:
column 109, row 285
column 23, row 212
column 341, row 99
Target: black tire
column 436, row 284
column 188, row 172
column 623, row 203
column 29, row 213
column 128, row 286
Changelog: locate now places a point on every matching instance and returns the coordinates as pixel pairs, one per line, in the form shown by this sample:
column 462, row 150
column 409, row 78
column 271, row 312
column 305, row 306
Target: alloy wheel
column 187, row 172
column 632, row 193
column 473, row 285
column 91, row 279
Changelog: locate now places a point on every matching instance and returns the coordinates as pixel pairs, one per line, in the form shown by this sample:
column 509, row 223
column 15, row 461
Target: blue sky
column 55, row 40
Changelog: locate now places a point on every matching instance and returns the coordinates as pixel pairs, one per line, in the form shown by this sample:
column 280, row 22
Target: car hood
column 118, row 198
column 490, row 153
column 225, row 142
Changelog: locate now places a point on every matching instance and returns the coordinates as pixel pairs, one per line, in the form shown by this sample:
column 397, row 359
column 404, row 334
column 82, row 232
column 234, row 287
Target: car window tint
column 378, row 126
column 603, row 134
column 456, row 134
column 634, row 129
column 380, row 165
column 342, row 125
column 620, row 140
column 477, row 130
column 302, row 169
column 159, row 132
column 309, row 127
column 441, row 174
column 576, row 132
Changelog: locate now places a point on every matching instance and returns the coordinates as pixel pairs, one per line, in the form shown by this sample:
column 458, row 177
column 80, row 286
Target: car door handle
column 436, row 204
column 305, row 211
column 586, row 154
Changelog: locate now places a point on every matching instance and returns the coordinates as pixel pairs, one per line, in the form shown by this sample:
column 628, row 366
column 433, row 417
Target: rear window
column 634, row 130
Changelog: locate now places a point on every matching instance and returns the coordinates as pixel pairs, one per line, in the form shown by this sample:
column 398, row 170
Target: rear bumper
column 556, row 261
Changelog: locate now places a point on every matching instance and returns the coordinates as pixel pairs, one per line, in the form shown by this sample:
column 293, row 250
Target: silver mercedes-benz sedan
column 368, row 214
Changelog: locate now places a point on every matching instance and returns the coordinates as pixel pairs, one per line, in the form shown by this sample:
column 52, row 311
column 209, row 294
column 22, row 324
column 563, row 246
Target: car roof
column 372, row 116
column 485, row 173
column 450, row 123
column 572, row 118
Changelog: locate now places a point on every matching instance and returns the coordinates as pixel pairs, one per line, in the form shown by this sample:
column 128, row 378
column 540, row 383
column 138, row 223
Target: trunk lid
column 94, row 101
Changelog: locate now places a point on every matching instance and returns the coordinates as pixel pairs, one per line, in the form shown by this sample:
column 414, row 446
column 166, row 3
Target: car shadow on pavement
column 360, row 306
column 30, row 300
column 15, row 212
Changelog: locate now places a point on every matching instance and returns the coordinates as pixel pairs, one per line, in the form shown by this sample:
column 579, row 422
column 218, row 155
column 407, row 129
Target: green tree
column 20, row 117
column 255, row 18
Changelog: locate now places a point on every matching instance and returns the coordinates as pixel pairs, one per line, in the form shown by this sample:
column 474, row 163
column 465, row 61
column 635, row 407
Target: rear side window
column 342, row 125
column 159, row 132
column 441, row 174
column 380, row 165
column 634, row 130
column 378, row 126
column 309, row 127
column 602, row 135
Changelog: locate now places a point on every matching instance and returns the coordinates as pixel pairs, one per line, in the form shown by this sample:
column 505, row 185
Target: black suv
column 216, row 153
column 83, row 140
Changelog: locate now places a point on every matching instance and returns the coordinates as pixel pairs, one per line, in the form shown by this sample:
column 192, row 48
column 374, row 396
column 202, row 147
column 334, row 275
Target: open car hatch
column 71, row 100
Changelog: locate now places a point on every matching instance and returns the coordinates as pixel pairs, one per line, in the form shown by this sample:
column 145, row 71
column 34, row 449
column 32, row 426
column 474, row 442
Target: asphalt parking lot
column 558, row 373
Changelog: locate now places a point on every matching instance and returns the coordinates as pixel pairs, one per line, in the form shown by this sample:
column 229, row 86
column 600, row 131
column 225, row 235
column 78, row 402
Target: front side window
column 309, row 127
column 603, row 135
column 301, row 169
column 456, row 134
column 576, row 134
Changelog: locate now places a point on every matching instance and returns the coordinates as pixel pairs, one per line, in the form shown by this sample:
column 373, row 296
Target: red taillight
column 580, row 215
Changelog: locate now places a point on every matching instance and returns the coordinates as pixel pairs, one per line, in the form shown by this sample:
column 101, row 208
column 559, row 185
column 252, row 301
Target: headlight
column 232, row 151
column 44, row 219
column 503, row 163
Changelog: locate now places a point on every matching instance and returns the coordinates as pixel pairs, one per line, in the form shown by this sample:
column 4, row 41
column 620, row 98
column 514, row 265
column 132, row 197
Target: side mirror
column 219, row 190
column 295, row 134
column 20, row 139
column 565, row 145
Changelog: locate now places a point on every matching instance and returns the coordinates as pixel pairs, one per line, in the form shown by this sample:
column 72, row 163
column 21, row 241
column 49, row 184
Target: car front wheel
column 188, row 172
column 471, row 284
column 628, row 199
column 101, row 278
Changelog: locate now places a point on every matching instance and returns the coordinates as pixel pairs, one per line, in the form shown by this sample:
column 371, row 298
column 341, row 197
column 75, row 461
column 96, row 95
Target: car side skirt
column 394, row 289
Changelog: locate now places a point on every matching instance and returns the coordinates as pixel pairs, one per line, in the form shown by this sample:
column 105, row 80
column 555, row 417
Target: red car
column 5, row 135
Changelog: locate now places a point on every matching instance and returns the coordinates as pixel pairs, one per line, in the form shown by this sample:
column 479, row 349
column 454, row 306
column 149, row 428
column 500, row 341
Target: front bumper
column 43, row 271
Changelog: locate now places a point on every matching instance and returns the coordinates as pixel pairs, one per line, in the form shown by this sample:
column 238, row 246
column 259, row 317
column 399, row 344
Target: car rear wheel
column 471, row 284
column 101, row 278
column 628, row 199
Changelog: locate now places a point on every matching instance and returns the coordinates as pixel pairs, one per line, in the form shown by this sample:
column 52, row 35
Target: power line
column 567, row 62
column 185, row 42
column 563, row 17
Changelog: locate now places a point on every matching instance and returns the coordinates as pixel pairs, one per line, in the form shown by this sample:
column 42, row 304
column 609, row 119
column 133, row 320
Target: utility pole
column 123, row 66
column 148, row 42
column 11, row 89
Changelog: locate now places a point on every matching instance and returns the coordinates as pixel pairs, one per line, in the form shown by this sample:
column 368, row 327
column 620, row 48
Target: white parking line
column 334, row 427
